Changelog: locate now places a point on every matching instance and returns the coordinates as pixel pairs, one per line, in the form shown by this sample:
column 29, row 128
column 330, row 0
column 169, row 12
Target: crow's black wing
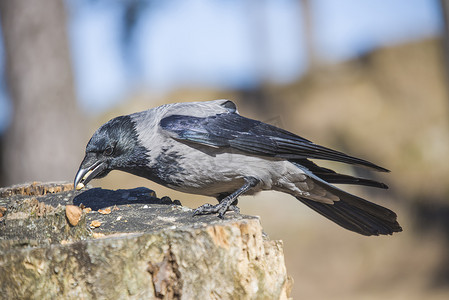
column 251, row 136
column 235, row 131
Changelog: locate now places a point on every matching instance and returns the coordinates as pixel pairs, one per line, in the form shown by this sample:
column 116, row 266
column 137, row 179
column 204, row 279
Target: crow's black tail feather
column 350, row 212
column 355, row 213
column 365, row 217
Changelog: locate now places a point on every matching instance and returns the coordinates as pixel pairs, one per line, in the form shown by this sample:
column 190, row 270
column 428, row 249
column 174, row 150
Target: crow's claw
column 205, row 209
column 220, row 208
column 234, row 208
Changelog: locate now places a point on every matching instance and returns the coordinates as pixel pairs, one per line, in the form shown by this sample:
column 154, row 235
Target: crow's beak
column 89, row 169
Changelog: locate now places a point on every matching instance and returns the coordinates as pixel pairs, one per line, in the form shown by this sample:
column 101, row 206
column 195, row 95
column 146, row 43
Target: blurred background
column 368, row 78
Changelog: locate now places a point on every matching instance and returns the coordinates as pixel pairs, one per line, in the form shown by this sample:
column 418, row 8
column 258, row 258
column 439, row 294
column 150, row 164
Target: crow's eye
column 108, row 151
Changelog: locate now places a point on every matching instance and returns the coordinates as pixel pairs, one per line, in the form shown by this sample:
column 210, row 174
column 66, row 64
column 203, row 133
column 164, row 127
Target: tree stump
column 128, row 244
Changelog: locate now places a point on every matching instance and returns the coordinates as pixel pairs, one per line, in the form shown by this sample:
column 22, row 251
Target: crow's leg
column 233, row 207
column 225, row 203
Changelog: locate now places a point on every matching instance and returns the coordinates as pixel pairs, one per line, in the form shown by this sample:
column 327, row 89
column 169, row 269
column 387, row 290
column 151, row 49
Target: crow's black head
column 114, row 146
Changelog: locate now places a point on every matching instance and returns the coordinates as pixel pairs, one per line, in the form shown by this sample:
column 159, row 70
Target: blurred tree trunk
column 45, row 140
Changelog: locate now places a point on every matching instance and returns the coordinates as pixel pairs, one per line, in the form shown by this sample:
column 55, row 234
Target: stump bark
column 129, row 244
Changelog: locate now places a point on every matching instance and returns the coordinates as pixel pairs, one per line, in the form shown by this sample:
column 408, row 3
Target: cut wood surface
column 129, row 244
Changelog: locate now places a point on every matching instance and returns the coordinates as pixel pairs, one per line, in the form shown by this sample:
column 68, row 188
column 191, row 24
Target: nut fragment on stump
column 105, row 211
column 95, row 224
column 73, row 214
column 2, row 211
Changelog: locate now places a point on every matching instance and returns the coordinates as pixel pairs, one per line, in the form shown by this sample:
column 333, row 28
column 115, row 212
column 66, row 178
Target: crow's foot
column 229, row 202
column 221, row 209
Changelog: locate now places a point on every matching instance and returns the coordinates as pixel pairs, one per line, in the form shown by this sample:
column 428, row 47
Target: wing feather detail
column 252, row 136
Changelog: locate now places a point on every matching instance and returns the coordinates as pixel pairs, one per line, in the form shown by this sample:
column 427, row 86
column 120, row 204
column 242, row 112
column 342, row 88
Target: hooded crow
column 208, row 148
